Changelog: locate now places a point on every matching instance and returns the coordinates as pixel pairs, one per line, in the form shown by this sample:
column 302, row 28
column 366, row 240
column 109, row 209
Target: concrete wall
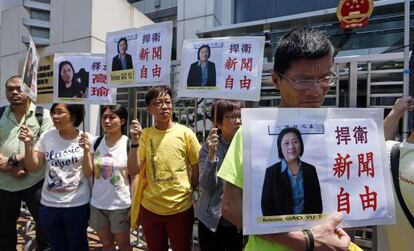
column 75, row 26
column 195, row 15
column 149, row 6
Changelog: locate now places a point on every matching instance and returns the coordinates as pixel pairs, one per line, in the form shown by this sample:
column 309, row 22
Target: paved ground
column 24, row 237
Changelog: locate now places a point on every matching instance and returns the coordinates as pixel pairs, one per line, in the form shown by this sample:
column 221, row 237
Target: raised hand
column 212, row 142
column 26, row 135
column 135, row 131
column 329, row 237
column 84, row 142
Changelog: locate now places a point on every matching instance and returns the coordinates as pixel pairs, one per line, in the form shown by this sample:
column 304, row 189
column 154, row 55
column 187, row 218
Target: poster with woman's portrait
column 81, row 78
column 222, row 68
column 29, row 72
column 302, row 165
column 139, row 56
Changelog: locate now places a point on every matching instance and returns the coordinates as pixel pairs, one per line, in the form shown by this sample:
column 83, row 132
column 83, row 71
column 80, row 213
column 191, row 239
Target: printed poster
column 29, row 73
column 228, row 68
column 302, row 165
column 81, row 78
column 139, row 56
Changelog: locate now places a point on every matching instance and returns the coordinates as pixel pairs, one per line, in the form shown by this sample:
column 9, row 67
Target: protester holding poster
column 303, row 58
column 291, row 186
column 69, row 86
column 214, row 232
column 64, row 209
column 167, row 155
column 16, row 184
column 111, row 198
column 122, row 61
column 203, row 72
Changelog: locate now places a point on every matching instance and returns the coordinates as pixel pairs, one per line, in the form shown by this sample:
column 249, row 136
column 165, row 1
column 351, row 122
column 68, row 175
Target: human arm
column 194, row 176
column 134, row 163
column 327, row 236
column 33, row 159
column 209, row 161
column 232, row 204
column 393, row 118
column 87, row 161
column 17, row 171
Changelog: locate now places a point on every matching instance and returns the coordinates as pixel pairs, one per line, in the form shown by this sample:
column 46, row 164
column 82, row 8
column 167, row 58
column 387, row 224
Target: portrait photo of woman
column 69, row 86
column 122, row 61
column 291, row 186
column 28, row 71
column 203, row 72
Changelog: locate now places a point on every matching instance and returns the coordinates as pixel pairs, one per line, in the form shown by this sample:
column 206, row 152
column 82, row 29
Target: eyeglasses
column 233, row 117
column 58, row 113
column 308, row 83
column 159, row 103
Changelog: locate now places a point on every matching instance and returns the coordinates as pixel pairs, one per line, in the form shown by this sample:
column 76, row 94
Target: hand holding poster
column 222, row 68
column 301, row 165
column 81, row 78
column 139, row 56
column 29, row 73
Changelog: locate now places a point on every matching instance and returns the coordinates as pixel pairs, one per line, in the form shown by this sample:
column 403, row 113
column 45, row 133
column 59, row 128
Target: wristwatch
column 13, row 160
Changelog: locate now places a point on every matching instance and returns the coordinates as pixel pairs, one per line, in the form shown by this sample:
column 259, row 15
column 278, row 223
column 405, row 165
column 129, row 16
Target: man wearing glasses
column 17, row 185
column 302, row 74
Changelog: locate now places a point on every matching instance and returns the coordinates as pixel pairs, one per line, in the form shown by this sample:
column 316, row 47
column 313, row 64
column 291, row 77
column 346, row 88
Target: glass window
column 40, row 14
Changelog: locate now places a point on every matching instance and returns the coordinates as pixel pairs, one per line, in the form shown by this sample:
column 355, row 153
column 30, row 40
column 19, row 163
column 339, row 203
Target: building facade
column 60, row 26
column 369, row 60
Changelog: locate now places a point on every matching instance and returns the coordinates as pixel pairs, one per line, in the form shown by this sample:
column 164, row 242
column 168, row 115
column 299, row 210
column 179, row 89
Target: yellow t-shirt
column 168, row 156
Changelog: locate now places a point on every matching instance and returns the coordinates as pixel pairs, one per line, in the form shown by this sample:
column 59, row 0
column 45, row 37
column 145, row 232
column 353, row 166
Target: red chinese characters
column 343, row 135
column 150, row 55
column 368, row 200
column 342, row 165
column 343, row 201
column 366, row 164
column 235, row 65
column 344, row 169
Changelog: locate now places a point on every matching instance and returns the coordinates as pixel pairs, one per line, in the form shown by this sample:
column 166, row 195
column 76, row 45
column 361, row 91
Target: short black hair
column 303, row 43
column 126, row 43
column 223, row 106
column 76, row 112
column 17, row 77
column 201, row 47
column 121, row 112
column 156, row 91
column 283, row 133
column 60, row 70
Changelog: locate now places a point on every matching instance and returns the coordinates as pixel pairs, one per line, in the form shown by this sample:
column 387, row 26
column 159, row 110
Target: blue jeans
column 65, row 228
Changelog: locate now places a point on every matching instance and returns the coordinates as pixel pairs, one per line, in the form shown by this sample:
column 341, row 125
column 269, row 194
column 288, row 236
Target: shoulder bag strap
column 395, row 166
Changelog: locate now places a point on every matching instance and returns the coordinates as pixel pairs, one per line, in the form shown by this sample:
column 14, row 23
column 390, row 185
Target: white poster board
column 139, row 56
column 80, row 78
column 29, row 73
column 228, row 68
column 345, row 147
